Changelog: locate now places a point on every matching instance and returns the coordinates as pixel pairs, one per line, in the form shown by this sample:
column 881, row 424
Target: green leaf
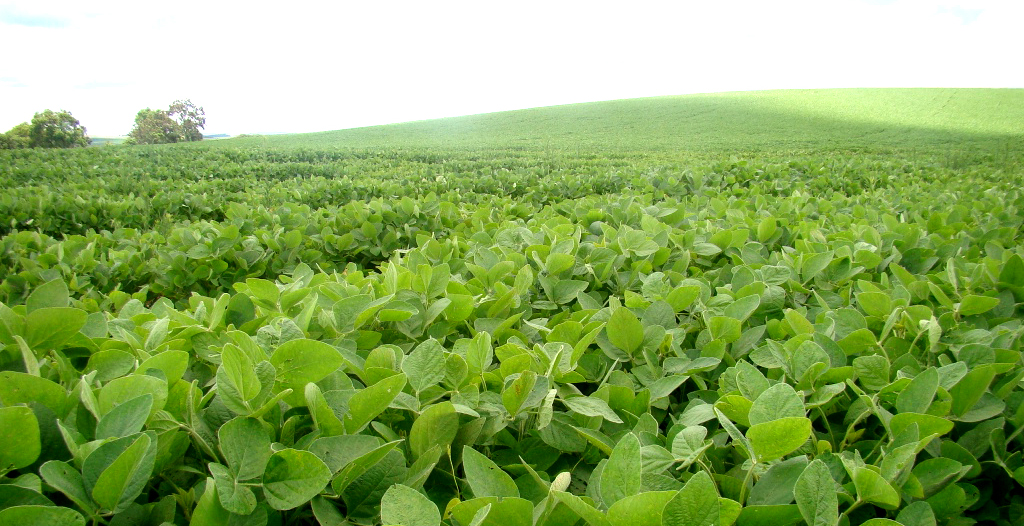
column 625, row 330
column 121, row 390
column 48, row 515
column 19, row 434
column 436, row 426
column 484, row 477
column 424, row 366
column 408, row 507
column 696, row 504
column 66, row 479
column 778, row 438
column 917, row 396
column 208, row 510
column 123, row 479
column 126, row 418
column 302, row 361
column 875, row 303
column 293, row 477
column 776, row 486
column 916, row 514
column 873, row 489
column 815, row 493
column 582, row 507
column 234, row 497
column 22, row 388
column 927, row 424
column 366, row 404
column 237, row 382
column 972, row 304
column 245, row 443
column 327, row 513
column 776, row 515
column 51, row 294
column 49, row 327
column 778, row 401
column 971, row 388
column 591, row 406
column 515, row 393
column 621, row 476
column 362, row 496
column 265, row 291
column 642, row 509
column 509, row 511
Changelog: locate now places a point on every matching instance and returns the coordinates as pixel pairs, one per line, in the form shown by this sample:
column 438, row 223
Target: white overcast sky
column 310, row 66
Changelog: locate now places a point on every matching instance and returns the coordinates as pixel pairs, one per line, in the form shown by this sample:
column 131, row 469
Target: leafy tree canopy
column 181, row 122
column 48, row 129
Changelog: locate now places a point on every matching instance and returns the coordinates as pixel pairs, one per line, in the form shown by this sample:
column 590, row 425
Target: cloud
column 19, row 16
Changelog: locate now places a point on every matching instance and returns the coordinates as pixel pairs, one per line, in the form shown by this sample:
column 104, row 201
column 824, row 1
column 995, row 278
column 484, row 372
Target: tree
column 154, row 127
column 190, row 118
column 51, row 129
column 17, row 137
column 180, row 122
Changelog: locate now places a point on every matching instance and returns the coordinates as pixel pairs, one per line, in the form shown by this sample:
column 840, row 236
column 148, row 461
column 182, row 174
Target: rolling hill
column 843, row 119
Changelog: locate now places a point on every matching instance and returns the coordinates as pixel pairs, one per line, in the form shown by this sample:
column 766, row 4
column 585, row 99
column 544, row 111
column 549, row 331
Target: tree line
column 180, row 122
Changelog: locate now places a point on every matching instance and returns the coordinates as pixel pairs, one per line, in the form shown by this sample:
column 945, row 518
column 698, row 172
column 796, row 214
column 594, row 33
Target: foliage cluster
column 208, row 335
column 48, row 129
column 181, row 122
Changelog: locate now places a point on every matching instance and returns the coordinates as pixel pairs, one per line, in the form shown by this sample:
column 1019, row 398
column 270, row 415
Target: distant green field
column 750, row 121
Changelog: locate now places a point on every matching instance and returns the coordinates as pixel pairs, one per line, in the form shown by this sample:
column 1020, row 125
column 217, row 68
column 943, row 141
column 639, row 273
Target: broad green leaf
column 815, row 493
column 293, row 477
column 48, row 515
column 778, row 401
column 234, row 497
column 208, row 511
column 245, row 444
column 126, row 418
column 591, row 406
column 121, row 390
column 424, row 366
column 971, row 388
column 338, row 451
column 66, row 479
column 622, row 474
column 362, row 496
column 484, row 477
column 22, row 388
column 237, row 382
column 927, row 424
column 775, row 515
column 972, row 304
column 777, row 485
column 916, row 514
column 52, row 294
column 366, row 404
column 917, row 396
column 778, row 438
column 872, row 488
column 126, row 476
column 19, row 434
column 696, row 504
column 265, row 291
column 625, row 330
column 642, row 509
column 582, row 507
column 302, row 361
column 326, row 513
column 408, row 507
column 509, row 511
column 515, row 393
column 49, row 327
column 436, row 426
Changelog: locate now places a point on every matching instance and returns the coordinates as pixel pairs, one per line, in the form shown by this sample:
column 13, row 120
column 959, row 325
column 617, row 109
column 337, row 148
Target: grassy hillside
column 764, row 120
